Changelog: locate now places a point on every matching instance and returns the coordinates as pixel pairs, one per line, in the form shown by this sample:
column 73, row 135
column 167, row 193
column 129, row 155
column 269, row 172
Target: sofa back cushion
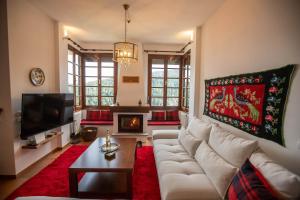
column 92, row 115
column 282, row 180
column 172, row 115
column 158, row 115
column 216, row 168
column 249, row 183
column 233, row 149
column 105, row 115
column 199, row 129
column 189, row 142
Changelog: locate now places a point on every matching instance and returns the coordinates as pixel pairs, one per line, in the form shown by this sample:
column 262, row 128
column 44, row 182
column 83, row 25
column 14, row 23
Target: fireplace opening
column 130, row 123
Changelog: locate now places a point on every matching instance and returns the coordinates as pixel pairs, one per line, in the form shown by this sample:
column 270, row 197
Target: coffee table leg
column 129, row 184
column 73, row 184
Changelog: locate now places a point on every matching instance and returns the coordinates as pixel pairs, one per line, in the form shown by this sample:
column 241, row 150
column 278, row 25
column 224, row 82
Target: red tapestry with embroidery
column 251, row 102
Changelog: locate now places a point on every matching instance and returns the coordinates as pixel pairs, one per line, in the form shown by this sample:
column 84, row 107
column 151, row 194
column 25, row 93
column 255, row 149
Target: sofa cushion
column 189, row 142
column 249, row 183
column 217, row 170
column 165, row 155
column 199, row 129
column 92, row 115
column 174, row 167
column 187, row 187
column 282, row 180
column 165, row 134
column 106, row 115
column 233, row 149
column 172, row 115
column 158, row 115
column 86, row 122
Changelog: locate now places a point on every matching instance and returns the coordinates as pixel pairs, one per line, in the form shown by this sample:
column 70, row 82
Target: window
column 186, row 77
column 164, row 80
column 74, row 76
column 100, row 80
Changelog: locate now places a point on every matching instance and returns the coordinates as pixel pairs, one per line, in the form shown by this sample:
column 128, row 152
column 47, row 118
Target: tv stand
column 36, row 146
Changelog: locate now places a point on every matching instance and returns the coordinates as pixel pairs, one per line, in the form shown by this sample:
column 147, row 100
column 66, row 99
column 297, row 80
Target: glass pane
column 70, row 89
column 91, row 81
column 106, row 101
column 76, row 59
column 183, row 92
column 91, row 63
column 173, row 92
column 91, row 101
column 157, row 63
column 172, row 101
column 70, row 68
column 77, row 100
column 77, row 80
column 107, row 81
column 78, row 91
column 184, row 80
column 77, row 70
column 70, row 56
column 107, row 71
column 156, row 101
column 173, row 83
column 173, row 73
column 157, row 72
column 157, row 92
column 70, row 79
column 107, row 64
column 107, row 91
column 157, row 82
column 91, row 71
column 174, row 61
column 91, row 91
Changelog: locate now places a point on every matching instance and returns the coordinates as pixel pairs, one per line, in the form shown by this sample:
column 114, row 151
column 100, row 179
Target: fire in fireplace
column 130, row 123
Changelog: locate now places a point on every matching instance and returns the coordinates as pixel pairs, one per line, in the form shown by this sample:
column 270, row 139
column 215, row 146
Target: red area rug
column 53, row 179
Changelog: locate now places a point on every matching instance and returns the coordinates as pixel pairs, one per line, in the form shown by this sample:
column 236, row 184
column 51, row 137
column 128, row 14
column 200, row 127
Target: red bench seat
column 163, row 123
column 88, row 122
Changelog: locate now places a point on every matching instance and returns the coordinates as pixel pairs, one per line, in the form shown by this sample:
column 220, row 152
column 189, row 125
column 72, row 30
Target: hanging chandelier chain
column 126, row 6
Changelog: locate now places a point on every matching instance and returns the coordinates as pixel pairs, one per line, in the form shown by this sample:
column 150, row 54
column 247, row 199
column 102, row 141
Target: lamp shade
column 125, row 53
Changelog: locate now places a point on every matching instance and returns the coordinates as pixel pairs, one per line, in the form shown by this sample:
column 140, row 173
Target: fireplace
column 130, row 123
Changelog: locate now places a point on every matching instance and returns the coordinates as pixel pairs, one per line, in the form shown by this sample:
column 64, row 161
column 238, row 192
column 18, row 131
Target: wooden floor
column 7, row 186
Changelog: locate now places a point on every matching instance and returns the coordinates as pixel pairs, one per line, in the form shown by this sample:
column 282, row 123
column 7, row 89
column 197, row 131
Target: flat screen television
column 42, row 112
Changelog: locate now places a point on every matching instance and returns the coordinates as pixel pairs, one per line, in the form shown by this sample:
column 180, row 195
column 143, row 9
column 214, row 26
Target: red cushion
column 172, row 115
column 163, row 123
column 86, row 122
column 92, row 115
column 105, row 115
column 158, row 116
column 250, row 184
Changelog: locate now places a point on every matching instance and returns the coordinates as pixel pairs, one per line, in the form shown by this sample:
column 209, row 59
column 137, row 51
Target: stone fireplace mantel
column 130, row 109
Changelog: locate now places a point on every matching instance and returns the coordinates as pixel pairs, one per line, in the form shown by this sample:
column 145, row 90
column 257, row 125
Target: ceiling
column 152, row 21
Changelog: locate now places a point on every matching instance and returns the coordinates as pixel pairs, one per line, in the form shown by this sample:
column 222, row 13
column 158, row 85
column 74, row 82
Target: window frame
column 98, row 57
column 186, row 58
column 165, row 79
column 75, row 52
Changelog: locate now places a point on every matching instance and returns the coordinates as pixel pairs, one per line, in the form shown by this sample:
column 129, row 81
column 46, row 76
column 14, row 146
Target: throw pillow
column 233, row 149
column 219, row 172
column 199, row 129
column 172, row 115
column 106, row 115
column 158, row 116
column 92, row 115
column 250, row 184
column 282, row 180
column 189, row 142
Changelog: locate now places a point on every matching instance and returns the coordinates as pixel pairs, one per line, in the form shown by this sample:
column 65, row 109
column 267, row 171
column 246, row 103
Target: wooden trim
column 8, row 176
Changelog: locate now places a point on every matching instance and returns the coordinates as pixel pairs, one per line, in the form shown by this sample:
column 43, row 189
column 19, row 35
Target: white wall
column 255, row 35
column 31, row 44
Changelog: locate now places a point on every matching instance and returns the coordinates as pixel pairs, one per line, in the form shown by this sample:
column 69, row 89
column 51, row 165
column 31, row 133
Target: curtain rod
column 84, row 49
column 180, row 51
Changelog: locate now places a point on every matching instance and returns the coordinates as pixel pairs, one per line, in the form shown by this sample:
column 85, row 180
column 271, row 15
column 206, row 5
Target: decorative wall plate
column 37, row 76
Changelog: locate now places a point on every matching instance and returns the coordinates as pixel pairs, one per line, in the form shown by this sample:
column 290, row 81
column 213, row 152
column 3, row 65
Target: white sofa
column 199, row 163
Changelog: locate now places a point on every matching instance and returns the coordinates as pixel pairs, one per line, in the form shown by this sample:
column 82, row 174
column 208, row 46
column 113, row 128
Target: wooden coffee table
column 104, row 178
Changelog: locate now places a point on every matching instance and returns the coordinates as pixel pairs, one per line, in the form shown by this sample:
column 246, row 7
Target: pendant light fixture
column 125, row 52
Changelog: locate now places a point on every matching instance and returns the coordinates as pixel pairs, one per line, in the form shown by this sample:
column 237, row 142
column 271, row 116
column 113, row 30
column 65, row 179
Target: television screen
column 42, row 112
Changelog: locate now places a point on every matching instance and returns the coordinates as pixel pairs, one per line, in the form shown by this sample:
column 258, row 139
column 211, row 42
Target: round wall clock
column 37, row 76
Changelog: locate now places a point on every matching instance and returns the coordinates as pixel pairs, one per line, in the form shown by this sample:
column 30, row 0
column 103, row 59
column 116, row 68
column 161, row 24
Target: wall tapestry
column 251, row 102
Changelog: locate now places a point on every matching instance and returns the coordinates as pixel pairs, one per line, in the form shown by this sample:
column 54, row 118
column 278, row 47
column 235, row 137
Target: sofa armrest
column 165, row 134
